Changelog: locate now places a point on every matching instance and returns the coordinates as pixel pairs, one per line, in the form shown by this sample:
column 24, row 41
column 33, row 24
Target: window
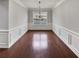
column 40, row 21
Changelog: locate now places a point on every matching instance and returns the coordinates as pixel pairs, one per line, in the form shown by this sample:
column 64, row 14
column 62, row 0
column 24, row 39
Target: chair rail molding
column 72, row 36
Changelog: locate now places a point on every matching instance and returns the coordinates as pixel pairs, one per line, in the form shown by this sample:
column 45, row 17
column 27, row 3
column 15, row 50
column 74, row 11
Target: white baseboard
column 10, row 45
column 12, row 32
column 72, row 33
column 69, row 46
column 7, row 35
column 40, row 29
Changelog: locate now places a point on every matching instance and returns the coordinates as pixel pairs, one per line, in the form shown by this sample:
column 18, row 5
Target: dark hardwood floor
column 38, row 44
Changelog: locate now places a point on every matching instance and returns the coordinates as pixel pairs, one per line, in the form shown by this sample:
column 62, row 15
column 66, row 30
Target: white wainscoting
column 16, row 33
column 3, row 38
column 40, row 27
column 70, row 38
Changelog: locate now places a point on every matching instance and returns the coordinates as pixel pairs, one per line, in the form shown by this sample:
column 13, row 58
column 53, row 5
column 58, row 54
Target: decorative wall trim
column 3, row 45
column 59, row 3
column 16, row 27
column 6, row 35
column 40, row 27
column 3, row 38
column 72, row 33
column 18, row 31
column 3, row 30
column 20, row 3
column 69, row 46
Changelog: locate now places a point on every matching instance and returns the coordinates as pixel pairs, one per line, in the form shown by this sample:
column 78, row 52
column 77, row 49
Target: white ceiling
column 44, row 3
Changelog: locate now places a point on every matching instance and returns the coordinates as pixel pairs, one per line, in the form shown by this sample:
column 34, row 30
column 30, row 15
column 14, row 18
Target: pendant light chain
column 39, row 9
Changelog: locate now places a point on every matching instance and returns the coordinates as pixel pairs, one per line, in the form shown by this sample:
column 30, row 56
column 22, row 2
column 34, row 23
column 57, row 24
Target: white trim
column 70, row 31
column 16, row 39
column 6, row 32
column 17, row 27
column 63, row 39
column 3, row 30
column 69, row 46
column 3, row 45
column 20, row 3
column 73, row 32
column 40, row 29
column 59, row 3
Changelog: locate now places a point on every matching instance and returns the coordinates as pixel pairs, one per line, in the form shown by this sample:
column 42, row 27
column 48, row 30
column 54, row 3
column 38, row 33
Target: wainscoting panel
column 3, row 39
column 16, row 33
column 70, row 38
column 75, row 42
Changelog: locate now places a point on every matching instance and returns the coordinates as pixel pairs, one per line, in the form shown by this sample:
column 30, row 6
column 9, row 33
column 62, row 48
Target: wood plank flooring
column 38, row 44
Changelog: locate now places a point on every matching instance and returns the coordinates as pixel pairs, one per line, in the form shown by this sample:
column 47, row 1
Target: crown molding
column 59, row 3
column 20, row 3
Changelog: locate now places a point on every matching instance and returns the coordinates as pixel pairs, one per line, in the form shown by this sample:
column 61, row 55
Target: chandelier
column 39, row 9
